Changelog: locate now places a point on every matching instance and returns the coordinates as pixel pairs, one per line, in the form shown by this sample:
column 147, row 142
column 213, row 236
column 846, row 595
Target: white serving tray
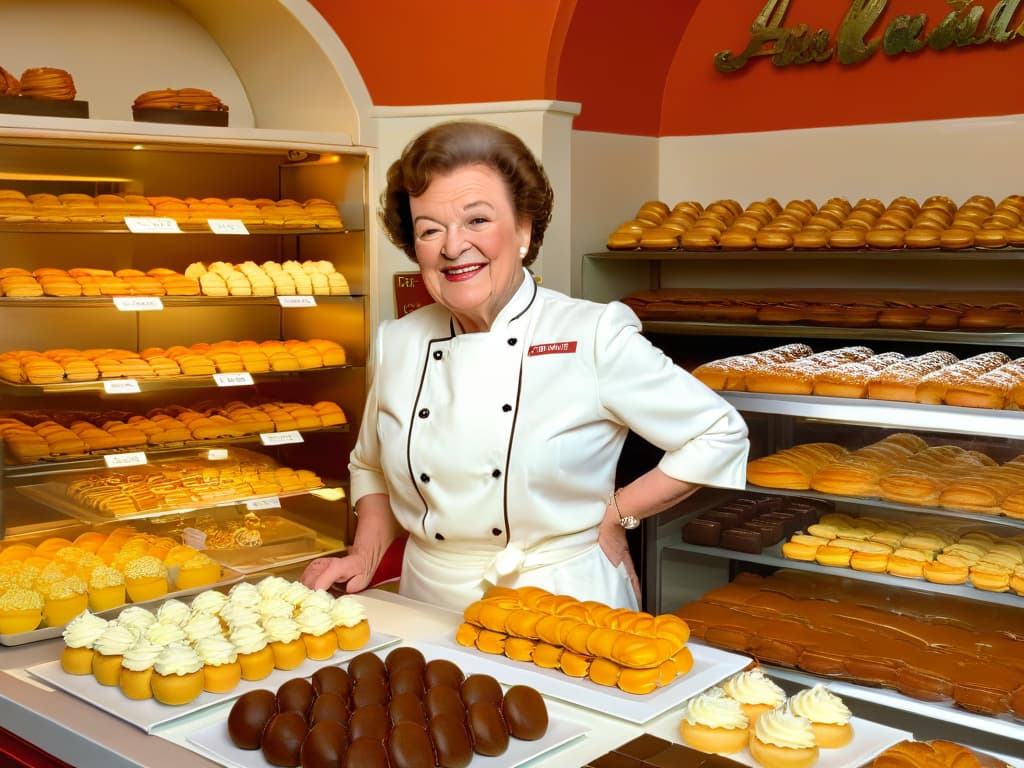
column 710, row 665
column 149, row 714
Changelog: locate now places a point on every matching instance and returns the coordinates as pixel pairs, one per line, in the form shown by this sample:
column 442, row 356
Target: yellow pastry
column 780, row 739
column 285, row 642
column 110, row 648
column 714, row 722
column 828, row 715
column 145, row 579
column 177, row 675
column 79, row 636
column 350, row 623
column 755, row 692
column 106, row 588
column 21, row 610
column 318, row 633
column 198, row 571
column 255, row 655
column 221, row 669
column 135, row 679
column 63, row 600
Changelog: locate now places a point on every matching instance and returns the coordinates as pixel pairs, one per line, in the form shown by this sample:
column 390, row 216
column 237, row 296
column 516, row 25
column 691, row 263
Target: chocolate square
column 617, row 760
column 772, row 531
column 791, row 521
column 742, row 540
column 705, row 533
column 678, row 756
column 643, row 746
column 728, row 518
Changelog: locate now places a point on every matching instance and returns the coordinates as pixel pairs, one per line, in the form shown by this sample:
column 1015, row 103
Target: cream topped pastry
column 346, row 611
column 83, row 630
column 275, row 606
column 714, row 722
column 137, row 617
column 164, row 634
column 235, row 615
column 755, row 692
column 781, row 739
column 210, row 601
column 317, row 598
column 115, row 640
column 296, row 592
column 216, row 650
column 281, row 629
column 200, row 625
column 314, row 621
column 828, row 715
column 142, row 655
column 249, row 638
column 177, row 659
column 273, row 586
column 244, row 593
column 173, row 612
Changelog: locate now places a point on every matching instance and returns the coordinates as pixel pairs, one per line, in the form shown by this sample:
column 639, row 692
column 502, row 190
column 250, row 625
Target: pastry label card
column 297, row 301
column 121, row 387
column 151, row 225
column 239, row 379
column 281, row 438
column 255, row 505
column 134, row 459
column 217, row 454
column 138, row 303
column 193, row 537
column 227, row 226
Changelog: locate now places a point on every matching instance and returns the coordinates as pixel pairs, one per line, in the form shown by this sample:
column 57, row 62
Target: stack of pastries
column 900, row 468
column 937, row 753
column 288, row 278
column 181, row 649
column 32, row 436
column 979, row 311
column 54, row 366
column 180, row 98
column 186, row 484
column 81, row 208
column 925, row 550
column 985, row 380
column 937, row 222
column 928, row 646
column 633, row 650
column 749, row 710
column 398, row 711
column 50, row 582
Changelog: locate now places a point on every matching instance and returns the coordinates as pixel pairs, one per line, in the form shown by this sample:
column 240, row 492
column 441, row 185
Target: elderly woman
column 497, row 415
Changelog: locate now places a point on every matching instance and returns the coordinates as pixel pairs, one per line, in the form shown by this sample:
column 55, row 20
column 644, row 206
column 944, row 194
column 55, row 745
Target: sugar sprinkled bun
column 713, row 722
column 828, row 715
column 780, row 739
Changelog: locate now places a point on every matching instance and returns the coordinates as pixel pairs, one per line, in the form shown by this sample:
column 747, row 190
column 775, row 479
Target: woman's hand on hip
column 611, row 537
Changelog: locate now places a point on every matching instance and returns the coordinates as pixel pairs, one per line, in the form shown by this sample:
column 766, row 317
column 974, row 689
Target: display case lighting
column 16, row 176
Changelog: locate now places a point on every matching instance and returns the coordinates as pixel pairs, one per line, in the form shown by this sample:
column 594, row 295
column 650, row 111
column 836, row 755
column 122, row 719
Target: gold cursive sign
column 904, row 34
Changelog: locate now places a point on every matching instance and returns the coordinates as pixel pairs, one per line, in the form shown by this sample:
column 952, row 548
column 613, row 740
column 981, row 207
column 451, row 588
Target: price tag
column 241, row 379
column 271, row 502
column 296, row 301
column 134, row 459
column 193, row 537
column 227, row 226
column 138, row 303
column 121, row 387
column 281, row 438
column 148, row 225
column 217, row 454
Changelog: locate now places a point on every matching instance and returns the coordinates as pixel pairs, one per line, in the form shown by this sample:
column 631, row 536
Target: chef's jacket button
column 496, row 531
column 506, row 407
column 424, row 412
column 438, row 355
column 439, row 537
column 496, row 473
column 425, row 477
column 512, row 342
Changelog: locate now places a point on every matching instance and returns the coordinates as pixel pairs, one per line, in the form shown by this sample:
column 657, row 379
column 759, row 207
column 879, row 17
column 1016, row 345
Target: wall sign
column 906, row 33
column 410, row 293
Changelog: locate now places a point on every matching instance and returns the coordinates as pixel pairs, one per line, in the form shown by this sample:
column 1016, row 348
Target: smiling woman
column 497, row 415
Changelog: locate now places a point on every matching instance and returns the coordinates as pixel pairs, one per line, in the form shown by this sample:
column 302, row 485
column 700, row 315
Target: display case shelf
column 84, row 228
column 46, row 302
column 929, row 255
column 688, row 328
column 883, row 413
column 772, row 556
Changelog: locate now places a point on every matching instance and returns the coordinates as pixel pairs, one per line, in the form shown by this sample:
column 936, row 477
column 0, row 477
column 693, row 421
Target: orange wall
column 646, row 67
column 927, row 85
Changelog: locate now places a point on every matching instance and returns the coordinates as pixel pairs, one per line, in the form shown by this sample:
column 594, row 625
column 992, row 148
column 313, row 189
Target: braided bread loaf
column 633, row 650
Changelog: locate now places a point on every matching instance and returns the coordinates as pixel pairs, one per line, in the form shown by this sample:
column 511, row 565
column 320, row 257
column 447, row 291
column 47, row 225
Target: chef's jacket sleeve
column 364, row 465
column 703, row 436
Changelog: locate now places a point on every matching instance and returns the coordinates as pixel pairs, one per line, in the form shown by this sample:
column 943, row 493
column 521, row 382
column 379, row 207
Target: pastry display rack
column 676, row 573
column 61, row 158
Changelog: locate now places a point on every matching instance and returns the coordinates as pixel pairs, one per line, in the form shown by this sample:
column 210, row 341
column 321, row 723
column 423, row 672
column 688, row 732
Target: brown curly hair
column 455, row 144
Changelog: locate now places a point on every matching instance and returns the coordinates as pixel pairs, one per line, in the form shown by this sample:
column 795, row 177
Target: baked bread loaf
column 991, row 389
column 797, row 377
column 851, row 379
column 730, row 373
column 793, row 467
column 899, row 381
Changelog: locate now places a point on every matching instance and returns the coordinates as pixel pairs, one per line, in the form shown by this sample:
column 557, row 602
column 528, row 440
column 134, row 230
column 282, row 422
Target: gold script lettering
column 861, row 17
column 903, row 35
column 997, row 30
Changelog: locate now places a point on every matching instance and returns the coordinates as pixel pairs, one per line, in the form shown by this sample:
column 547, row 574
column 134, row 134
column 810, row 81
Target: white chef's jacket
column 498, row 449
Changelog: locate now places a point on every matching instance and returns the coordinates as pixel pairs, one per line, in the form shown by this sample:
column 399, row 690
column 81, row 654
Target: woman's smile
column 462, row 272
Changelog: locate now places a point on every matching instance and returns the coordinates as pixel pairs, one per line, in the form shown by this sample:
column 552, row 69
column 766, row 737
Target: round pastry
column 332, row 680
column 318, row 633
column 110, row 648
column 63, row 600
column 828, row 715
column 197, row 571
column 780, row 739
column 282, row 738
column 221, row 669
column 106, row 588
column 714, row 722
column 255, row 655
column 136, row 675
column 350, row 623
column 285, row 642
column 755, row 692
column 325, row 745
column 296, row 694
column 79, row 636
column 249, row 716
column 177, row 675
column 489, row 732
column 451, row 739
column 21, row 610
column 145, row 579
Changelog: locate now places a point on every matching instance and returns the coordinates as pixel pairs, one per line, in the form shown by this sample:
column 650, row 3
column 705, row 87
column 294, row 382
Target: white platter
column 213, row 742
column 149, row 714
column 710, row 665
column 869, row 740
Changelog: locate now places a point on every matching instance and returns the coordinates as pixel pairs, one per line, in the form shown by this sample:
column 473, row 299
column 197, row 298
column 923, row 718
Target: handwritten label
column 271, row 502
column 296, row 301
column 193, row 537
column 134, row 459
column 281, row 438
column 138, row 303
column 240, row 379
column 150, row 225
column 121, row 387
column 217, row 454
column 227, row 226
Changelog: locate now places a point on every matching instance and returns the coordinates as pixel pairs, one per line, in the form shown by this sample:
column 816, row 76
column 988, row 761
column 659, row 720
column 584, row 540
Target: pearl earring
column 523, row 251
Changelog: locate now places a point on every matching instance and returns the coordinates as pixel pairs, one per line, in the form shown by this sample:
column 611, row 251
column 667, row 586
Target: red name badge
column 555, row 348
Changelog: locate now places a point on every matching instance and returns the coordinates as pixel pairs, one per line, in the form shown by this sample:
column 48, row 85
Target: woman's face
column 468, row 242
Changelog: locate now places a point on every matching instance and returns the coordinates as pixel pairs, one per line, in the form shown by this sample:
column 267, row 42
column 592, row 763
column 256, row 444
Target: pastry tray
column 54, row 495
column 710, row 665
column 23, row 105
column 212, row 739
column 228, row 576
column 150, row 713
column 180, row 116
column 255, row 559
